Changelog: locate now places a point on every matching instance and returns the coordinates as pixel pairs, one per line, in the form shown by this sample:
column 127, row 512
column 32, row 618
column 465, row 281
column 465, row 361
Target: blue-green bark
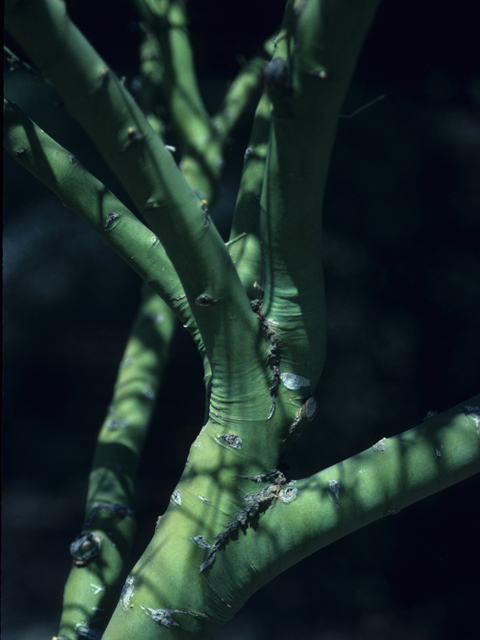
column 255, row 306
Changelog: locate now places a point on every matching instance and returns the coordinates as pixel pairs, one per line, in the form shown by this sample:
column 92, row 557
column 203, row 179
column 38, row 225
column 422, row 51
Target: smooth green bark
column 81, row 192
column 170, row 50
column 109, row 114
column 247, row 253
column 381, row 481
column 93, row 585
column 168, row 67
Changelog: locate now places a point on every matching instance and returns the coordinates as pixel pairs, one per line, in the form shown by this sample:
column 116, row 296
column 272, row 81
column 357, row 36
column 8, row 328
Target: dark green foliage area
column 402, row 265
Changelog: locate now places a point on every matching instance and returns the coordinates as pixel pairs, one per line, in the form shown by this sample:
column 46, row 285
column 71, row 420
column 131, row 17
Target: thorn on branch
column 266, row 477
column 176, row 498
column 319, row 73
column 116, row 511
column 104, row 76
column 133, row 137
column 15, row 62
column 240, row 237
column 360, row 109
column 200, row 542
column 279, row 38
column 204, row 205
column 232, row 439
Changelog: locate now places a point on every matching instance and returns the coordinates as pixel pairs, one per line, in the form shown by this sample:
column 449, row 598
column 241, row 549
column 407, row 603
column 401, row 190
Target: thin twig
column 365, row 106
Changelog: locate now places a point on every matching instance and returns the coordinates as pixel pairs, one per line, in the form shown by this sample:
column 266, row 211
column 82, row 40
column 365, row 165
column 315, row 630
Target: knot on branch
column 275, row 73
column 84, row 548
column 204, row 300
column 278, row 81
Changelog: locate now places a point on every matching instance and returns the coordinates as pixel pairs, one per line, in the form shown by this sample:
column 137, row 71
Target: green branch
column 392, row 474
column 168, row 57
column 246, row 253
column 242, row 91
column 168, row 68
column 288, row 521
column 81, row 192
column 234, row 521
column 306, row 81
column 102, row 105
column 100, row 551
column 167, row 22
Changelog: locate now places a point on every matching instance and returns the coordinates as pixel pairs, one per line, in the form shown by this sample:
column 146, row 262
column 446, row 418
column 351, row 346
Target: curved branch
column 108, row 531
column 168, row 67
column 242, row 91
column 392, row 474
column 81, row 192
column 306, row 81
column 246, row 252
column 102, row 105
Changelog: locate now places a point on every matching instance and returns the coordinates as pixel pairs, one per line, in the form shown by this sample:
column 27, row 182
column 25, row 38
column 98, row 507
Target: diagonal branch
column 392, row 474
column 81, row 192
column 242, row 91
column 102, row 105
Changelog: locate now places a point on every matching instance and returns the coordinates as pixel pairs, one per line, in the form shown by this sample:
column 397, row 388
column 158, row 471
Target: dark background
column 402, row 264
